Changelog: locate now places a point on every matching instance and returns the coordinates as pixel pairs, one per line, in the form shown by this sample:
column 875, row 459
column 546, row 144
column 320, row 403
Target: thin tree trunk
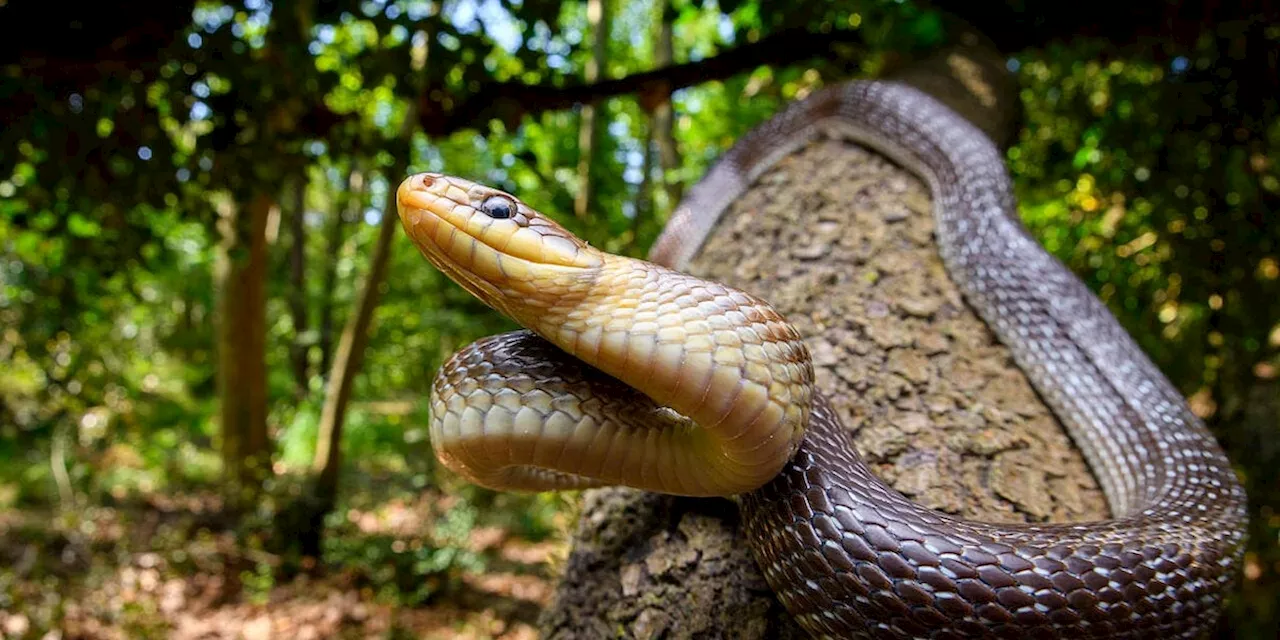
column 659, row 143
column 350, row 354
column 333, row 246
column 242, row 327
column 58, row 465
column 327, row 461
column 644, row 194
column 664, row 114
column 298, row 284
column 589, row 131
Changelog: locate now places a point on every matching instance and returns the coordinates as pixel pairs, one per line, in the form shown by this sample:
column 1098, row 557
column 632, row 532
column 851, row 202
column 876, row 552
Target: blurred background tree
column 204, row 300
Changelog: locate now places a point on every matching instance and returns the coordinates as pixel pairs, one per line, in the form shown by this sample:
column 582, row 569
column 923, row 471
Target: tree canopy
column 194, row 221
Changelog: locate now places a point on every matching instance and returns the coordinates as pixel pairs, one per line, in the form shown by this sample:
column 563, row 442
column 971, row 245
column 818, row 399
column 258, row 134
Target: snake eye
column 498, row 207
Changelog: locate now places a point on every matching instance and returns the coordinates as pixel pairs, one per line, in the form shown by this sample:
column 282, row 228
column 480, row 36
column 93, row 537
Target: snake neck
column 725, row 359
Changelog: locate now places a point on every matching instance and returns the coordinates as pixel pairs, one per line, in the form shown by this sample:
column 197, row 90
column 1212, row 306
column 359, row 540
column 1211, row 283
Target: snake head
column 497, row 247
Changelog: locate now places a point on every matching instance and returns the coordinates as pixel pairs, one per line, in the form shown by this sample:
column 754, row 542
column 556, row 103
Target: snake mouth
column 485, row 232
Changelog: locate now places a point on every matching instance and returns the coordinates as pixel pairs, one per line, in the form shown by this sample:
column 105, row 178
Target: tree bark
column 644, row 192
column 659, row 141
column 242, row 326
column 73, row 54
column 298, row 284
column 354, row 204
column 664, row 114
column 935, row 403
column 327, row 462
column 589, row 127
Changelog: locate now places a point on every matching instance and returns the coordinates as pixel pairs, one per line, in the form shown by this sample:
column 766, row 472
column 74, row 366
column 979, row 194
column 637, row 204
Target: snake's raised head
column 491, row 243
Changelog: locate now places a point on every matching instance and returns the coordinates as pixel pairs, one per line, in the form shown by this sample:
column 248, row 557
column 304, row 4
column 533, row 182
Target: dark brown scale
column 851, row 557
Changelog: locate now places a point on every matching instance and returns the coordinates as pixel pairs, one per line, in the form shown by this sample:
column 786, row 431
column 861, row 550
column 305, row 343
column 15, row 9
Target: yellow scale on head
column 725, row 359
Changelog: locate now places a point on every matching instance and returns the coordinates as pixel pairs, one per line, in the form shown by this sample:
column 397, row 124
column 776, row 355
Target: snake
column 632, row 372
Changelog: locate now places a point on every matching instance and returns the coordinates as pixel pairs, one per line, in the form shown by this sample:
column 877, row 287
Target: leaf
column 83, row 227
column 927, row 29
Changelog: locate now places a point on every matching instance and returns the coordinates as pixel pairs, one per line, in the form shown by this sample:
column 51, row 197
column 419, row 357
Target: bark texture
column 242, row 334
column 298, row 308
column 841, row 241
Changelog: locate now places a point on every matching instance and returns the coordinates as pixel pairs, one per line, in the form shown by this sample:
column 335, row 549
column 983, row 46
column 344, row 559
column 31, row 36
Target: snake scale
column 634, row 373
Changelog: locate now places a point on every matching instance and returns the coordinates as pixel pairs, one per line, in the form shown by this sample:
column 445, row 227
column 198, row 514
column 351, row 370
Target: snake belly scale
column 634, row 373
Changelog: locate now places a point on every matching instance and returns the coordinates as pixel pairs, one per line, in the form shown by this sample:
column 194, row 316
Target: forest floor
column 165, row 568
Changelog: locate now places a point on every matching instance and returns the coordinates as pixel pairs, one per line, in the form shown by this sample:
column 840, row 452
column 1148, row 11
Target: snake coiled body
column 846, row 554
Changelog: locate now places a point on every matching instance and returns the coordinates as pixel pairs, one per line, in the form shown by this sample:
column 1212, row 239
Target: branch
column 1149, row 26
column 510, row 101
column 1144, row 25
column 82, row 32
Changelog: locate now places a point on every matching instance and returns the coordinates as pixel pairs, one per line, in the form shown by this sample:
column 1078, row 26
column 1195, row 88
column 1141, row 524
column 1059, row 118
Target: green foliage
column 1150, row 182
column 408, row 570
column 1152, row 173
column 258, row 582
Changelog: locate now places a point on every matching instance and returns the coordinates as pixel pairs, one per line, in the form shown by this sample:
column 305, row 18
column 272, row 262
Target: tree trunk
column 935, row 403
column 298, row 284
column 242, row 327
column 589, row 131
column 659, row 143
column 354, row 204
column 664, row 115
column 644, row 192
column 327, row 461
